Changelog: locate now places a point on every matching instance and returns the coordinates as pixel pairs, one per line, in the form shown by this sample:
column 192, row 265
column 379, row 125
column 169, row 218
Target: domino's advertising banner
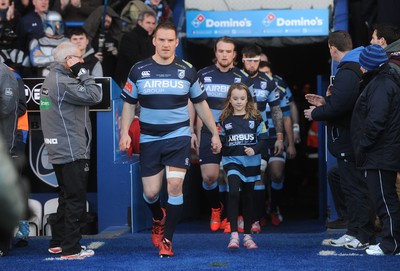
column 257, row 23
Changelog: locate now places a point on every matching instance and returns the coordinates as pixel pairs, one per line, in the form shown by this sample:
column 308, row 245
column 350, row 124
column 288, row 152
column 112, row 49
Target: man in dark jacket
column 336, row 109
column 136, row 45
column 105, row 33
column 375, row 133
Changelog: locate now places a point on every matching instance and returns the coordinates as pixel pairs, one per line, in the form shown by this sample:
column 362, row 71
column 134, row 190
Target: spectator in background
column 75, row 10
column 136, row 45
column 41, row 49
column 31, row 25
column 90, row 61
column 24, row 6
column 382, row 11
column 385, row 34
column 9, row 13
column 161, row 8
column 105, row 37
column 9, row 54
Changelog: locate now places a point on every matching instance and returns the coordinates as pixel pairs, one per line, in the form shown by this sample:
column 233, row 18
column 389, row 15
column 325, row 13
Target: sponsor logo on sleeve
column 128, row 87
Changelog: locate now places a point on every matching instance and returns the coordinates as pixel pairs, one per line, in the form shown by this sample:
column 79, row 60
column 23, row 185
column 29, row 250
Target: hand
column 113, row 50
column 278, row 148
column 291, row 152
column 64, row 4
column 329, row 90
column 249, row 151
column 315, row 99
column 216, row 145
column 124, row 142
column 99, row 56
column 10, row 12
column 194, row 142
column 76, row 3
column 71, row 61
column 296, row 133
column 296, row 137
column 308, row 113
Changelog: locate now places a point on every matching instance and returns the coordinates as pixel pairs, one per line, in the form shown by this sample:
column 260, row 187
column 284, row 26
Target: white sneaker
column 58, row 250
column 341, row 241
column 79, row 256
column 356, row 245
column 374, row 250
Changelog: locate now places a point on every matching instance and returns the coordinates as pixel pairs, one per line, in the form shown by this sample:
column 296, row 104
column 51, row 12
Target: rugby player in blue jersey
column 276, row 162
column 163, row 84
column 243, row 133
column 216, row 80
column 268, row 97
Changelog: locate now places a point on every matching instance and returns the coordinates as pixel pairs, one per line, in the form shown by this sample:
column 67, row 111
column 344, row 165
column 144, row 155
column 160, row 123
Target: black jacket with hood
column 339, row 106
column 376, row 122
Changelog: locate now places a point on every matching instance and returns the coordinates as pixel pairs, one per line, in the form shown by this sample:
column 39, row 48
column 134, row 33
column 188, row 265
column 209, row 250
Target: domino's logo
column 198, row 20
column 269, row 19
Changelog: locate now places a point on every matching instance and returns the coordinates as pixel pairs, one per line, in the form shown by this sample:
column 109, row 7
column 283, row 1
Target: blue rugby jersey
column 285, row 97
column 266, row 92
column 163, row 92
column 216, row 83
column 237, row 132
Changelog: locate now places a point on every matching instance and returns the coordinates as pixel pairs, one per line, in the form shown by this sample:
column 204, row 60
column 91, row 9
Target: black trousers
column 360, row 211
column 337, row 193
column 71, row 213
column 382, row 187
column 247, row 194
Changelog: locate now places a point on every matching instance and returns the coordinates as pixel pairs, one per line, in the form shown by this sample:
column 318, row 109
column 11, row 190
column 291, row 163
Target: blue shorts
column 155, row 155
column 205, row 153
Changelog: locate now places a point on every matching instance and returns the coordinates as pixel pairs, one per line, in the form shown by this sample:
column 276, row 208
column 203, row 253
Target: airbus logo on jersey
column 217, row 88
column 240, row 139
column 163, row 84
column 207, row 79
column 237, row 80
column 145, row 74
column 260, row 94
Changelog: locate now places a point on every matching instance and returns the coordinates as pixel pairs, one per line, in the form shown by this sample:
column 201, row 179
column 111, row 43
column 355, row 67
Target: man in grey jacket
column 65, row 98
